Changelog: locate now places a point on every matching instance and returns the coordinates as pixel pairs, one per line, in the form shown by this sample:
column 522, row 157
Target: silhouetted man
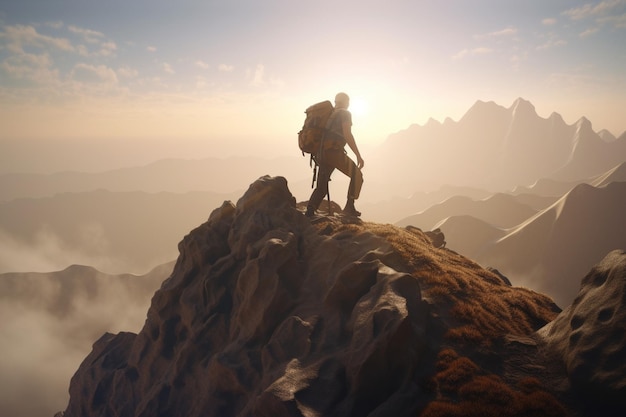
column 339, row 133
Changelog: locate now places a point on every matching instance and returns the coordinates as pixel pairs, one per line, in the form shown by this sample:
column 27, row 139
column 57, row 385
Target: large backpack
column 311, row 138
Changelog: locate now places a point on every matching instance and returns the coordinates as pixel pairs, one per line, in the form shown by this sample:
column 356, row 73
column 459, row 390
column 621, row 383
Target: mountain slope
column 397, row 208
column 477, row 229
column 268, row 313
column 501, row 210
column 469, row 235
column 617, row 174
column 551, row 250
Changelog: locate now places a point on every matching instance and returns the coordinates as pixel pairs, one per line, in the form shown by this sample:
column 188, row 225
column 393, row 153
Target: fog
column 47, row 156
column 47, row 253
column 49, row 323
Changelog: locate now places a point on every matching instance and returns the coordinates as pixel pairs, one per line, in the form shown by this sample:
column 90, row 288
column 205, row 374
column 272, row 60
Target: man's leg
column 349, row 168
column 321, row 189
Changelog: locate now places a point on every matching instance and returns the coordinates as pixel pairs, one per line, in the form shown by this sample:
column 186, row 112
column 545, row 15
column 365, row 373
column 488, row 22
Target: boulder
column 589, row 337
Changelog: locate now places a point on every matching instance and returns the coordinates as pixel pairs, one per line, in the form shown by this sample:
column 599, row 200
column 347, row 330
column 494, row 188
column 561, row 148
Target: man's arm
column 347, row 135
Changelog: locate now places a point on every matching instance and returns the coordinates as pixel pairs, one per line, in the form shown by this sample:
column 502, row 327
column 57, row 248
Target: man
column 334, row 156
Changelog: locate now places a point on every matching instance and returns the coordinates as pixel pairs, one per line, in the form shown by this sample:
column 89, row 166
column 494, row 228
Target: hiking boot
column 350, row 210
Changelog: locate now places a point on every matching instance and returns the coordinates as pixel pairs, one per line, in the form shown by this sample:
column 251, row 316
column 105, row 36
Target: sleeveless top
column 335, row 127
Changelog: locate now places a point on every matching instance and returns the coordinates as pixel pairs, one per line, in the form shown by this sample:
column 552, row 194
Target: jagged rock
column 500, row 275
column 436, row 236
column 269, row 314
column 589, row 337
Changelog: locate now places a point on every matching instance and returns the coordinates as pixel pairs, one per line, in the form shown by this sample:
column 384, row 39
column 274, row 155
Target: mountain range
column 499, row 148
column 491, row 148
column 540, row 242
column 536, row 201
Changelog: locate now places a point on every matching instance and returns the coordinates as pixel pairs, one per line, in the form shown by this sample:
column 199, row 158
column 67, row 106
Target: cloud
column 55, row 25
column 588, row 32
column 202, row 64
column 151, row 49
column 107, row 48
column 472, row 52
column 552, row 43
column 127, row 72
column 498, row 34
column 90, row 74
column 225, row 68
column 49, row 326
column 257, row 76
column 603, row 13
column 168, row 68
column 17, row 37
column 31, row 67
column 49, row 252
column 509, row 31
column 549, row 21
column 590, row 10
column 618, row 21
column 88, row 35
column 82, row 50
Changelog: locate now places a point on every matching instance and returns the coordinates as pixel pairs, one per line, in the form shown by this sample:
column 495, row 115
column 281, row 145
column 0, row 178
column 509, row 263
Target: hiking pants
column 331, row 159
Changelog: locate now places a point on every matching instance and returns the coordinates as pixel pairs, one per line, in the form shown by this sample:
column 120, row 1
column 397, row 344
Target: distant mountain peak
column 523, row 107
column 481, row 110
column 556, row 117
column 583, row 124
column 607, row 136
column 522, row 102
column 509, row 147
column 432, row 122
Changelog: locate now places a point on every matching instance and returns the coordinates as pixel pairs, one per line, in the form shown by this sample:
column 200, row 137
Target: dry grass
column 478, row 306
column 477, row 309
column 463, row 389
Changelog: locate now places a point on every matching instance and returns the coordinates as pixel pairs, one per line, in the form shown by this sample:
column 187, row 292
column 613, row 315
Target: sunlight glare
column 358, row 106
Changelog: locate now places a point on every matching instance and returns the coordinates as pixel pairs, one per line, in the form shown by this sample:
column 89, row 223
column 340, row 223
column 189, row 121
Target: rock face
column 589, row 337
column 268, row 313
column 264, row 316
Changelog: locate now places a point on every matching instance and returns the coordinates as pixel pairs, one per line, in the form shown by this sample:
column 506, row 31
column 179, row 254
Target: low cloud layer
column 49, row 323
column 47, row 253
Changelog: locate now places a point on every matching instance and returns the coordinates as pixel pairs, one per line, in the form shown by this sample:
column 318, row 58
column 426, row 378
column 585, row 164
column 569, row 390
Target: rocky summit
column 270, row 313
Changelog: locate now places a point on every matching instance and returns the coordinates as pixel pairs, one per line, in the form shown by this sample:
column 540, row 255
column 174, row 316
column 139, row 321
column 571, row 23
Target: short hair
column 342, row 98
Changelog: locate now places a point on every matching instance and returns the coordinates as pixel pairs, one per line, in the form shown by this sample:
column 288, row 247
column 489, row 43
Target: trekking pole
column 330, row 208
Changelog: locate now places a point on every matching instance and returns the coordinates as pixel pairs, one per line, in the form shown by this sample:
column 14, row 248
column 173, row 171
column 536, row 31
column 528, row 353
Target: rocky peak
column 267, row 313
column 523, row 108
column 583, row 125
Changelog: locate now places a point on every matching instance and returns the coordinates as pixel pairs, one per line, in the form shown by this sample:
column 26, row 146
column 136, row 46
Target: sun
column 358, row 106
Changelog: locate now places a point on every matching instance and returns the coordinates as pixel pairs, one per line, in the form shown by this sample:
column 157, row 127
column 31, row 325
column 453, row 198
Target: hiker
column 340, row 133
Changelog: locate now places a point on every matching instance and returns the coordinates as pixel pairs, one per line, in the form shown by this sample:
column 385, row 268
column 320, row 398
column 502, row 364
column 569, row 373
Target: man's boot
column 350, row 210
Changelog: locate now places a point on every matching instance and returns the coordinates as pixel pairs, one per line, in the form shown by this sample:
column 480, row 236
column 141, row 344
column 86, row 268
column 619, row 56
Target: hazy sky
column 232, row 69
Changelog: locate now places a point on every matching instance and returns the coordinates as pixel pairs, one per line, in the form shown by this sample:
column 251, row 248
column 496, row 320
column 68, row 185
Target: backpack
column 311, row 139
